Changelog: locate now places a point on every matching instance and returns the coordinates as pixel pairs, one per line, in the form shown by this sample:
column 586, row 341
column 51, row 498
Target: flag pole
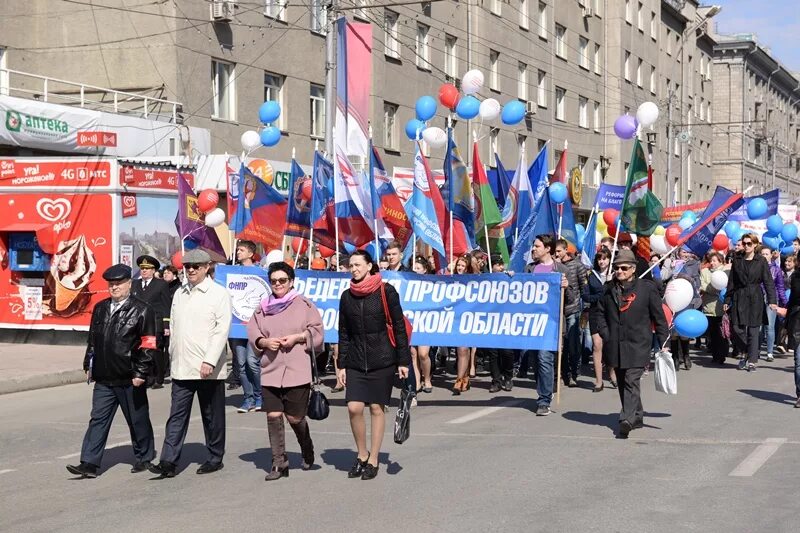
column 560, row 347
column 450, row 183
column 560, row 218
column 488, row 249
column 374, row 190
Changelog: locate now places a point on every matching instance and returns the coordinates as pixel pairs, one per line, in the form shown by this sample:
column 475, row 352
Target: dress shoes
column 84, row 470
column 141, row 466
column 495, row 387
column 507, row 384
column 208, row 468
column 625, row 427
column 277, row 473
column 370, row 472
column 358, row 468
column 164, row 469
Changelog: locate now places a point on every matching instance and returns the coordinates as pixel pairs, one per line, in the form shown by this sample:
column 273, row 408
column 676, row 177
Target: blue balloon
column 580, row 231
column 690, row 215
column 789, row 232
column 425, row 107
column 349, row 248
column 773, row 243
column 732, row 229
column 558, row 192
column 787, row 250
column 269, row 112
column 414, row 129
column 270, row 136
column 690, row 323
column 756, row 208
column 370, row 248
column 513, row 113
column 189, row 244
column 468, row 107
column 722, row 294
column 685, row 222
column 775, row 224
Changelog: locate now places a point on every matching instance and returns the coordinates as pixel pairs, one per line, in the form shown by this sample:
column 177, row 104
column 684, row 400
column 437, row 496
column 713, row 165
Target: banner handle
column 560, row 345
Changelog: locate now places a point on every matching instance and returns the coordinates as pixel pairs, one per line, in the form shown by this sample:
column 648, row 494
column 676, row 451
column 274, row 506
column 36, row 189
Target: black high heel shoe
column 358, row 468
column 600, row 388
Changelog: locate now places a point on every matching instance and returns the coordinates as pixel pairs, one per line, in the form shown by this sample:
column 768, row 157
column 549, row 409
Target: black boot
column 277, row 442
column 687, row 361
column 303, row 435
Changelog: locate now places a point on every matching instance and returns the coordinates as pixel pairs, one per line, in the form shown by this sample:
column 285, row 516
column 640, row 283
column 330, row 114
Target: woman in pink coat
column 282, row 331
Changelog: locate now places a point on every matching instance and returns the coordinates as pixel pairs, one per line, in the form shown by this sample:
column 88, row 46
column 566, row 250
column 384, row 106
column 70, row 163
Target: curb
column 41, row 381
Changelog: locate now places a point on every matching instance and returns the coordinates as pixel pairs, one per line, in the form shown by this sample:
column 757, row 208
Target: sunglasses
column 624, row 268
column 279, row 281
column 193, row 266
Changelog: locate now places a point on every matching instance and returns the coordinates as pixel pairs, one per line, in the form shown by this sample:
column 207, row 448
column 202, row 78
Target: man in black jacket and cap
column 624, row 315
column 119, row 358
column 156, row 292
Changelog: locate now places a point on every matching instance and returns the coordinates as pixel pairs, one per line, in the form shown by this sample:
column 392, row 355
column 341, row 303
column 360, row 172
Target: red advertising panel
column 97, row 138
column 142, row 177
column 55, row 173
column 129, row 208
column 75, row 232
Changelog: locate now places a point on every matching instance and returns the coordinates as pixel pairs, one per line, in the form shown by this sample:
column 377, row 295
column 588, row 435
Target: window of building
column 639, row 73
column 4, row 83
column 627, row 66
column 556, row 156
column 273, row 90
column 583, row 52
column 582, row 162
column 319, row 16
column 541, row 89
column 708, row 111
column 422, row 48
column 224, row 90
column 561, row 41
column 317, row 99
column 522, row 81
column 597, row 67
column 652, row 79
column 560, row 104
column 523, row 14
column 708, row 69
column 596, row 174
column 702, row 107
column 669, row 42
column 640, row 17
column 598, row 7
column 275, row 9
column 653, row 26
column 391, row 46
column 494, row 66
column 426, row 9
column 596, row 117
column 543, row 20
column 451, row 56
column 583, row 119
column 362, row 11
column 628, row 12
column 496, row 6
column 390, row 125
column 494, row 134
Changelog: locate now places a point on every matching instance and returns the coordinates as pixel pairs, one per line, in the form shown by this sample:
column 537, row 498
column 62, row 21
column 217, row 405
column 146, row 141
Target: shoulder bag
column 389, row 324
column 318, row 406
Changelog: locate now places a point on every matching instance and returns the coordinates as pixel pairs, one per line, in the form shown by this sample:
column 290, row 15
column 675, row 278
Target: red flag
column 560, row 174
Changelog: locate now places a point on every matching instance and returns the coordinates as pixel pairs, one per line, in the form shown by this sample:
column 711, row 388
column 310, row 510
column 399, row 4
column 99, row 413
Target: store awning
column 44, row 233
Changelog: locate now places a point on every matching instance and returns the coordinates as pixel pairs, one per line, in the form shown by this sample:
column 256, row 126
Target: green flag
column 641, row 210
column 487, row 214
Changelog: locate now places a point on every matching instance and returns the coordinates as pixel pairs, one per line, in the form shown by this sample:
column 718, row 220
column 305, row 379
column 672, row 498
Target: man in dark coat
column 624, row 316
column 155, row 292
column 119, row 357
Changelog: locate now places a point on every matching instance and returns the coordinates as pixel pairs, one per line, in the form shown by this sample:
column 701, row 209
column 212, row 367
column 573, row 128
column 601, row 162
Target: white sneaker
column 770, row 357
column 413, row 402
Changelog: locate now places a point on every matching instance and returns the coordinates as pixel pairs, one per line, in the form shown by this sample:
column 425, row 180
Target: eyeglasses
column 279, row 281
column 747, row 243
column 193, row 266
column 624, row 268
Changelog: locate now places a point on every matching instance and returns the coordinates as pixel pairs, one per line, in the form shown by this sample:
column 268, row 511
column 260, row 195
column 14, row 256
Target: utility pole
column 330, row 77
column 674, row 196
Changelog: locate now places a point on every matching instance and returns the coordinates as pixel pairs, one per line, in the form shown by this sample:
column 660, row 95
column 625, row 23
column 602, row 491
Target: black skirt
column 374, row 386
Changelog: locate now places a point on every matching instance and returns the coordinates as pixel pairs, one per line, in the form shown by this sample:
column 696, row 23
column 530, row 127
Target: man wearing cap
column 625, row 242
column 155, row 292
column 201, row 319
column 624, row 315
column 119, row 358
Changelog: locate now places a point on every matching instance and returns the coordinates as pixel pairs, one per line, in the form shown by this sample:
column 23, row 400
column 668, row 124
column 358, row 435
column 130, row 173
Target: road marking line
column 108, row 447
column 757, row 458
column 7, row 470
column 484, row 412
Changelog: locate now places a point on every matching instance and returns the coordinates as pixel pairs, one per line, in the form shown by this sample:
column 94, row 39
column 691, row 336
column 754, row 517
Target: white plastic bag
column 666, row 378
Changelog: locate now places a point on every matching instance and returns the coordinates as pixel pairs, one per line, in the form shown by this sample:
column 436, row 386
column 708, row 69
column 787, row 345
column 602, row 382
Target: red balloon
column 612, row 230
column 300, row 246
column 610, row 217
column 720, row 242
column 319, row 264
column 207, row 200
column 306, row 190
column 324, row 251
column 672, row 234
column 176, row 260
column 449, row 96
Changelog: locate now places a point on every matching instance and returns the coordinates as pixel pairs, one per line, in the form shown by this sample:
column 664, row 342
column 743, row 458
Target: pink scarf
column 366, row 286
column 272, row 306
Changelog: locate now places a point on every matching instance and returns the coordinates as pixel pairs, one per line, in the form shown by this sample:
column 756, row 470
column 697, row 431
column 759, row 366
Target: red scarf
column 366, row 286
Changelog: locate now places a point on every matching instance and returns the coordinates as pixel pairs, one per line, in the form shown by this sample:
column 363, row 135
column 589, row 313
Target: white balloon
column 658, row 244
column 275, row 256
column 719, row 280
column 435, row 137
column 679, row 294
column 489, row 110
column 647, row 114
column 250, row 140
column 634, row 238
column 215, row 218
column 472, row 81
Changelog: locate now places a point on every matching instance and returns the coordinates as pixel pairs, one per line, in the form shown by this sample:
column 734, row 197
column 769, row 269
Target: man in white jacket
column 200, row 321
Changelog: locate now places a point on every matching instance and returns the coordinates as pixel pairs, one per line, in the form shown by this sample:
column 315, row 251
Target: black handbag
column 402, row 421
column 318, row 406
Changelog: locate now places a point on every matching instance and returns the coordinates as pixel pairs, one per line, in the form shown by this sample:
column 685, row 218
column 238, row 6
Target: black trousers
column 501, row 363
column 719, row 345
column 630, row 394
column 211, row 397
column 161, row 360
column 133, row 403
column 746, row 339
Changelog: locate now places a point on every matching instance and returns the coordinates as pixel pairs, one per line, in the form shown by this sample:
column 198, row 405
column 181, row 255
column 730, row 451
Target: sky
column 775, row 22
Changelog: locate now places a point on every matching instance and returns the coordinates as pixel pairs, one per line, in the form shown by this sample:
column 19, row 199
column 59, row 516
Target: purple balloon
column 625, row 127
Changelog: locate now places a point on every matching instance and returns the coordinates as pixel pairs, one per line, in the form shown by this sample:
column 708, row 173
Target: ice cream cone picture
column 72, row 268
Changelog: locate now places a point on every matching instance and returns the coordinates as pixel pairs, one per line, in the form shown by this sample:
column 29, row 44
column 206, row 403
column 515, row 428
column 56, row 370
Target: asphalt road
column 722, row 455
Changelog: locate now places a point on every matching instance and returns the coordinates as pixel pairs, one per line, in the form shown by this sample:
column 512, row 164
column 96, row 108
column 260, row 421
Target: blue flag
column 589, row 245
column 500, row 182
column 457, row 192
column 298, row 214
column 699, row 237
column 543, row 220
column 421, row 209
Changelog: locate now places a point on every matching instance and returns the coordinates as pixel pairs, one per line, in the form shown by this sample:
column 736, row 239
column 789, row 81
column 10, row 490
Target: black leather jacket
column 363, row 340
column 122, row 346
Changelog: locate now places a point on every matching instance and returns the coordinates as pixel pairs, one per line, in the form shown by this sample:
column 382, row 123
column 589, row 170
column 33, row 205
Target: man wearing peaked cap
column 119, row 358
column 155, row 292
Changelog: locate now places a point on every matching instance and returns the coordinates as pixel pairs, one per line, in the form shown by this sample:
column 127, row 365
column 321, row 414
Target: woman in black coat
column 744, row 300
column 368, row 361
column 793, row 330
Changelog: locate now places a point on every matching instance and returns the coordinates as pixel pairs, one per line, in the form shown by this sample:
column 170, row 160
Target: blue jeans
column 797, row 370
column 770, row 332
column 544, row 383
column 572, row 347
column 249, row 370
